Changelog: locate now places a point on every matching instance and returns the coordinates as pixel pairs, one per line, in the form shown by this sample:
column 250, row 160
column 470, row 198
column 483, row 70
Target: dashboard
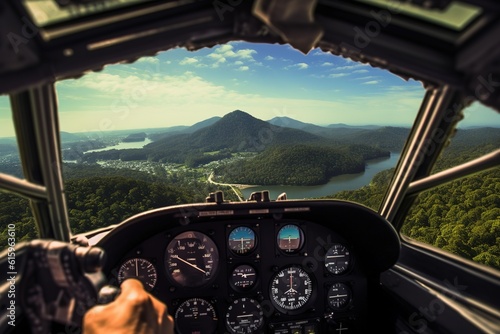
column 257, row 267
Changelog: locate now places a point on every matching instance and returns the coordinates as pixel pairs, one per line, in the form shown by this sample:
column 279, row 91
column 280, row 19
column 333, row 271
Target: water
column 336, row 184
column 123, row 146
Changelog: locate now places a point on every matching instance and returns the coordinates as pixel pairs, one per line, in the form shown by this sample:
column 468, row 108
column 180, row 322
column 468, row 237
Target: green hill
column 298, row 165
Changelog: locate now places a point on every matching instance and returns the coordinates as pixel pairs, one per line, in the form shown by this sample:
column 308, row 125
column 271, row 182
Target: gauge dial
column 138, row 268
column 242, row 240
column 339, row 295
column 337, row 259
column 196, row 315
column 191, row 259
column 291, row 288
column 243, row 277
column 244, row 315
column 290, row 238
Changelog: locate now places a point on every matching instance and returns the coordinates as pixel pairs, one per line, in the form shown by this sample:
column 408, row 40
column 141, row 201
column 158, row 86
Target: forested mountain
column 237, row 131
column 288, row 122
column 298, row 165
column 203, row 124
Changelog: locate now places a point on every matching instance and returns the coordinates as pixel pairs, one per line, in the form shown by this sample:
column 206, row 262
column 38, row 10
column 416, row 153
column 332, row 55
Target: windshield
column 241, row 118
column 172, row 128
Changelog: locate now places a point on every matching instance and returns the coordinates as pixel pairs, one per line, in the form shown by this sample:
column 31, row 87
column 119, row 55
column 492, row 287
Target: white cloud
column 269, row 58
column 300, row 66
column 367, row 77
column 373, row 82
column 360, row 71
column 238, row 63
column 149, row 60
column 319, row 52
column 327, row 64
column 338, row 75
column 188, row 61
column 243, row 68
column 348, row 67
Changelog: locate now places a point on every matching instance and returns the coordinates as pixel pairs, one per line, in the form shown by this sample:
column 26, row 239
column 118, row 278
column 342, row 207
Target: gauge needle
column 333, row 256
column 136, row 268
column 190, row 264
column 291, row 290
column 245, row 275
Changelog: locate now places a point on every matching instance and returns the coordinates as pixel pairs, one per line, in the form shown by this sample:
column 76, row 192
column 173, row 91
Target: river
column 336, row 184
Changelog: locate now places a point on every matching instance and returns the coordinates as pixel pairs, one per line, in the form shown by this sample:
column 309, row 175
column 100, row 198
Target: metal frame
column 36, row 121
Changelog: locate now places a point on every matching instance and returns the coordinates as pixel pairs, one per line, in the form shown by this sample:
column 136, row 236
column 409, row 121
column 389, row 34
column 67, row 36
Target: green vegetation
column 463, row 216
column 298, row 165
column 108, row 199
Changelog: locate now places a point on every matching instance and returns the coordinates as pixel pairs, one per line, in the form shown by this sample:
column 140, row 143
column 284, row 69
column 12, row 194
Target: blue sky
column 179, row 87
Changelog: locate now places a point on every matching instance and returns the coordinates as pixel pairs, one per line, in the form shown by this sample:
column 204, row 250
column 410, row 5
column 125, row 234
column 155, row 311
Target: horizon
column 266, row 120
column 180, row 87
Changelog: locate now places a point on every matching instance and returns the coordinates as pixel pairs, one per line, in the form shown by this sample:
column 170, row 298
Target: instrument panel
column 253, row 274
column 243, row 275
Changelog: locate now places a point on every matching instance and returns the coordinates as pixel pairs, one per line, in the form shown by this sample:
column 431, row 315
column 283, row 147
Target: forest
column 116, row 194
column 298, row 165
column 461, row 217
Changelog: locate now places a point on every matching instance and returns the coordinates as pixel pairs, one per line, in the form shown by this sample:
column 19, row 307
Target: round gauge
column 339, row 295
column 241, row 240
column 291, row 288
column 337, row 259
column 196, row 315
column 191, row 259
column 138, row 268
column 243, row 277
column 290, row 238
column 244, row 315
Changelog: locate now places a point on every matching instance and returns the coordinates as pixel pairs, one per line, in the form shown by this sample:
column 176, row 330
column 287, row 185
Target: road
column 232, row 186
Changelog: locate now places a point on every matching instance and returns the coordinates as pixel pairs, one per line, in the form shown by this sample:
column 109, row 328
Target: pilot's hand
column 133, row 311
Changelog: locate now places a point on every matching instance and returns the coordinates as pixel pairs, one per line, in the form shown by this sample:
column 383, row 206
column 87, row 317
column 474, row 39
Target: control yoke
column 49, row 281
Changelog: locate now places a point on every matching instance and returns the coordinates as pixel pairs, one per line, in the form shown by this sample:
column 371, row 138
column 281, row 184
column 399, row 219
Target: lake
column 336, row 184
column 123, row 146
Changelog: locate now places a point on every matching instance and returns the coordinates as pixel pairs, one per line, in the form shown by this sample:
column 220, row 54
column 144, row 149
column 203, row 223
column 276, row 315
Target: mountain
column 200, row 125
column 288, row 122
column 237, row 131
column 387, row 137
column 342, row 125
column 67, row 137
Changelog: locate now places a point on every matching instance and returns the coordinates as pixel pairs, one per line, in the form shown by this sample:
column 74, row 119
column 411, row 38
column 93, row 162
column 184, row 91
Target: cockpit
column 259, row 166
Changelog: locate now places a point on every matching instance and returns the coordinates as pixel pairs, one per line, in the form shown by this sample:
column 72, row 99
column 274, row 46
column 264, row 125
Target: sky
column 180, row 87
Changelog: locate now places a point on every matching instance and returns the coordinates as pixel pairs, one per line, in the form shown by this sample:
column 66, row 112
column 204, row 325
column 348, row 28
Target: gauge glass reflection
column 339, row 296
column 244, row 315
column 337, row 259
column 191, row 259
column 242, row 240
column 141, row 269
column 196, row 315
column 290, row 238
column 243, row 277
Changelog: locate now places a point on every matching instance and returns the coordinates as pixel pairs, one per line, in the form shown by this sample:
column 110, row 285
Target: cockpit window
column 463, row 217
column 15, row 212
column 238, row 117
